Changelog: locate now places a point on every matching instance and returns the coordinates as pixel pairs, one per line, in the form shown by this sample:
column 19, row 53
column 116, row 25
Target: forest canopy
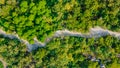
column 41, row 18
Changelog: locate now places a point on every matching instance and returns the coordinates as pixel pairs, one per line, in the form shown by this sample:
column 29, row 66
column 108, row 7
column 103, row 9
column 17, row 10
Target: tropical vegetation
column 41, row 18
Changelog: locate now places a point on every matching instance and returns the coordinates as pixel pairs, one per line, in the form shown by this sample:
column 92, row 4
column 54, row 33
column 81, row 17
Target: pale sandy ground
column 4, row 63
column 94, row 32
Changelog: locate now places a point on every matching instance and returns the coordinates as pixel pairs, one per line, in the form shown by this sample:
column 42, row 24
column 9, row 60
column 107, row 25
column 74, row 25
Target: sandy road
column 94, row 32
column 4, row 63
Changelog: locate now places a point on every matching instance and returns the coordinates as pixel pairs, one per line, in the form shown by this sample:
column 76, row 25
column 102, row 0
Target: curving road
column 94, row 32
column 4, row 63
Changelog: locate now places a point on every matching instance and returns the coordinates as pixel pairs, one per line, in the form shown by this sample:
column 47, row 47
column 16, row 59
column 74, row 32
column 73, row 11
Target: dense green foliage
column 1, row 65
column 62, row 52
column 41, row 18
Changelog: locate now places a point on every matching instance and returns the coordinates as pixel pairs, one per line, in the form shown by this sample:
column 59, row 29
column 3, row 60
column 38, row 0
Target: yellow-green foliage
column 41, row 18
